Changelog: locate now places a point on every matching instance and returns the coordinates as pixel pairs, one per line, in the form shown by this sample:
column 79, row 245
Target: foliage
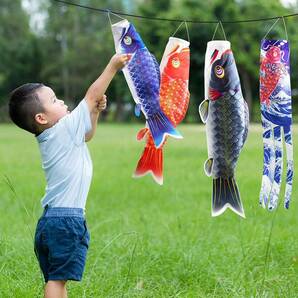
column 76, row 44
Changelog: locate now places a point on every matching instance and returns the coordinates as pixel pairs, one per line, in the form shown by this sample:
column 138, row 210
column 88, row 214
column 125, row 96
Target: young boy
column 61, row 237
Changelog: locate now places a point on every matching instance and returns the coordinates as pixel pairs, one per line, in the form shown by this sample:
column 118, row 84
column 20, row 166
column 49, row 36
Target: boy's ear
column 40, row 118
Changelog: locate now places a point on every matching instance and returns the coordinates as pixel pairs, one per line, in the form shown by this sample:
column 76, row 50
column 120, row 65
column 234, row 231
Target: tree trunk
column 247, row 92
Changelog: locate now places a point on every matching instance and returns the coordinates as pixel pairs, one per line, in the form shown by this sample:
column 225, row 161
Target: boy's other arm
column 94, row 115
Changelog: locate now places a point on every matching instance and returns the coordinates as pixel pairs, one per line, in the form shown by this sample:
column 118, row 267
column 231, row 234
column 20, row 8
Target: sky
column 37, row 19
column 289, row 2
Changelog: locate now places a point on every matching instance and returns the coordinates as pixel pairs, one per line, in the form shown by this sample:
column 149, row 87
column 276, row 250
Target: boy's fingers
column 102, row 99
column 102, row 105
column 127, row 57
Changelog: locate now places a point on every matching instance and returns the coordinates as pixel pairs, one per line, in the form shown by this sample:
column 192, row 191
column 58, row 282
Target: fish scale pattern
column 174, row 98
column 144, row 72
column 228, row 129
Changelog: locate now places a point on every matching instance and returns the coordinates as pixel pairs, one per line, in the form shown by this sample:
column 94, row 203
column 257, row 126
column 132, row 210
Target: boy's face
column 54, row 108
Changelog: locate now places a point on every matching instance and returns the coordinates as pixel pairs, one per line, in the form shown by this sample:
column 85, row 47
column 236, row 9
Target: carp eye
column 127, row 40
column 176, row 62
column 219, row 71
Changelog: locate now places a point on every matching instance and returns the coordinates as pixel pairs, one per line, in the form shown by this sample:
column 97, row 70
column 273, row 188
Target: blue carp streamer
column 143, row 78
column 276, row 114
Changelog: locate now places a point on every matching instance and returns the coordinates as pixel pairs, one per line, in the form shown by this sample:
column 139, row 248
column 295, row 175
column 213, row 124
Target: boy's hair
column 24, row 104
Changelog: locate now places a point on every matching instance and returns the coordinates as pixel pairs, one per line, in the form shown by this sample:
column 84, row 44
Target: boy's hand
column 118, row 61
column 101, row 104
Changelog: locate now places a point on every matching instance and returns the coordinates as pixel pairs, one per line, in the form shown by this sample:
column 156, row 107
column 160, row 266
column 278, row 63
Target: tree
column 21, row 59
column 244, row 37
column 76, row 44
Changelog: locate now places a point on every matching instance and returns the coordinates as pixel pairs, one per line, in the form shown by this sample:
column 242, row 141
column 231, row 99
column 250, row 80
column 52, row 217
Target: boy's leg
column 55, row 289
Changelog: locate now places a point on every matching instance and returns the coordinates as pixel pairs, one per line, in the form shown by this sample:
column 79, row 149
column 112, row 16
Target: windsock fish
column 276, row 114
column 174, row 100
column 143, row 78
column 225, row 113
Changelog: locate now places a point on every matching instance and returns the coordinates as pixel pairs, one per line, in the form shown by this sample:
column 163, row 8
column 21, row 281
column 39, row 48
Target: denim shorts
column 61, row 243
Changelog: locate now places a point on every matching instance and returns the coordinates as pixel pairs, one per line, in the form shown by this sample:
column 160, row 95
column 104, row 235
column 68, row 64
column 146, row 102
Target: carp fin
column 226, row 195
column 160, row 126
column 208, row 167
column 138, row 110
column 151, row 162
column 203, row 110
column 142, row 133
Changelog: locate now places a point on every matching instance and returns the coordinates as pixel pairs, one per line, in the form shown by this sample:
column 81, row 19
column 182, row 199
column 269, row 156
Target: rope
column 176, row 20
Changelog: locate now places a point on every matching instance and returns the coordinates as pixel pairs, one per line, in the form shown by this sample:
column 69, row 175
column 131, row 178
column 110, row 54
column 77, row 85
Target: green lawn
column 147, row 240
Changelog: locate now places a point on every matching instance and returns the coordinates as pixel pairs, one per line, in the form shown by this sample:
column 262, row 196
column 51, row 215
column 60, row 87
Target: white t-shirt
column 66, row 159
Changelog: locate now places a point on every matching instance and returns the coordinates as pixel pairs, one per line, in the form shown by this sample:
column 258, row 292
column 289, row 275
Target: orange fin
column 151, row 162
column 142, row 133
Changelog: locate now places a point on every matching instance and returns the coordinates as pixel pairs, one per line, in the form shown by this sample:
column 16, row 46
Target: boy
column 61, row 237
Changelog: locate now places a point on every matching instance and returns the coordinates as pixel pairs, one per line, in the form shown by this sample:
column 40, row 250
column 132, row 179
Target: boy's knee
column 60, row 283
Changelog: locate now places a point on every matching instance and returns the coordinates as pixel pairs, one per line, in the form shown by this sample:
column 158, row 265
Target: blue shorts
column 61, row 243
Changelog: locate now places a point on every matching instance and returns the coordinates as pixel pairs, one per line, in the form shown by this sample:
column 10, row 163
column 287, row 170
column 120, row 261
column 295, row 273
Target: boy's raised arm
column 98, row 88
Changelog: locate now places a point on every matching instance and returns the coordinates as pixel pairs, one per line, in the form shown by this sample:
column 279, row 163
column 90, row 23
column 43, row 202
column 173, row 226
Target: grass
column 147, row 240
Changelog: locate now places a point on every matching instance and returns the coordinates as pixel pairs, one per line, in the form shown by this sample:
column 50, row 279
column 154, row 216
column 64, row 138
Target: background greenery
column 71, row 46
column 148, row 240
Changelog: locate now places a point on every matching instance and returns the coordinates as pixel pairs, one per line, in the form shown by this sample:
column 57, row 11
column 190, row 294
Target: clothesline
column 174, row 20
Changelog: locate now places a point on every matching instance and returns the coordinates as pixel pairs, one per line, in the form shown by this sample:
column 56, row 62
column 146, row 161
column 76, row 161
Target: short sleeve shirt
column 66, row 159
